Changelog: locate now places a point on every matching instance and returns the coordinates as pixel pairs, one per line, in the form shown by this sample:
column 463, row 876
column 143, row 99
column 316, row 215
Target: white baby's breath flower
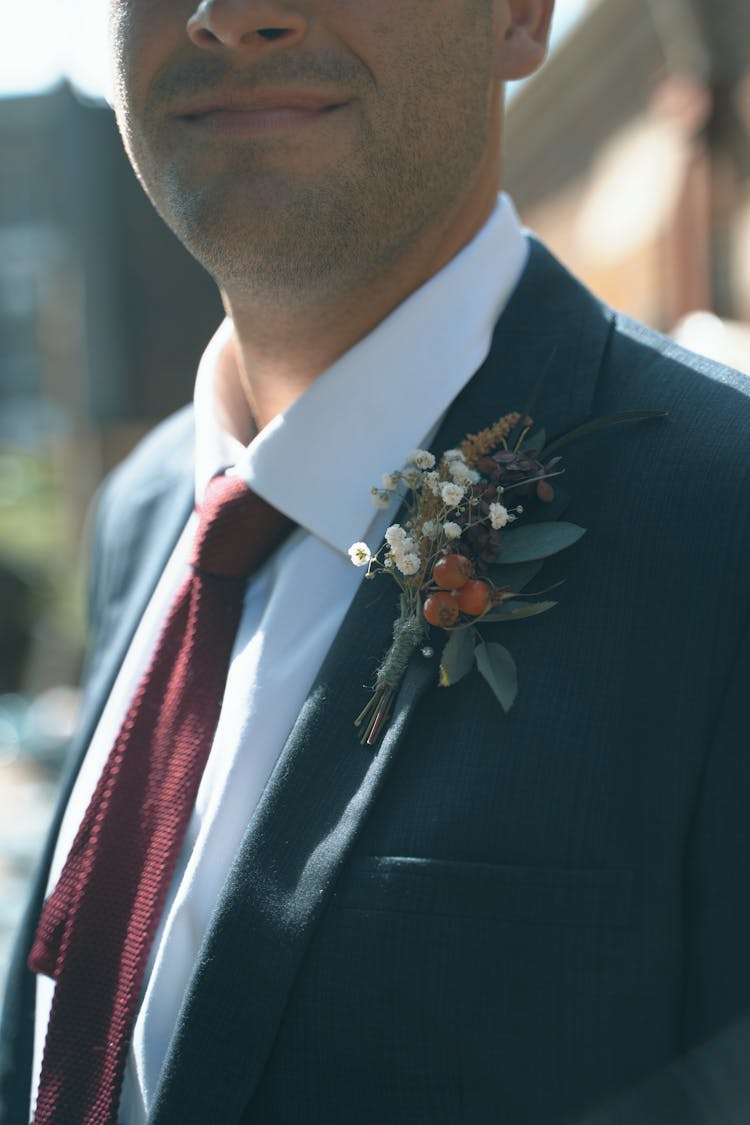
column 432, row 481
column 390, row 480
column 451, row 530
column 499, row 516
column 462, row 474
column 421, row 458
column 412, row 476
column 452, row 494
column 430, row 529
column 360, row 554
column 380, row 499
column 453, row 455
column 395, row 535
column 408, row 564
column 404, row 548
column 388, row 562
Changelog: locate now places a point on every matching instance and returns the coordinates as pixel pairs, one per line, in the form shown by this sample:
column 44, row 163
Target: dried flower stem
column 376, row 715
column 409, row 632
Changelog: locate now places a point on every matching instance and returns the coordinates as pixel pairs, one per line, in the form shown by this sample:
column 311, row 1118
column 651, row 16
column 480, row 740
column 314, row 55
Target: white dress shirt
column 317, row 463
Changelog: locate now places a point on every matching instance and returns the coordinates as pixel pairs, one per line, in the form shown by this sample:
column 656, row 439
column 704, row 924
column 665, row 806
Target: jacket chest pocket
column 522, row 895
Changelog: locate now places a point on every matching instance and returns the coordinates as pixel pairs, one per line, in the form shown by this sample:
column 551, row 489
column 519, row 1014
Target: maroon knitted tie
column 97, row 927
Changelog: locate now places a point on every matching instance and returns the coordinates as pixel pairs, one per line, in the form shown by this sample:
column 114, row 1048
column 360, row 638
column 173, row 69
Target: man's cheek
column 143, row 41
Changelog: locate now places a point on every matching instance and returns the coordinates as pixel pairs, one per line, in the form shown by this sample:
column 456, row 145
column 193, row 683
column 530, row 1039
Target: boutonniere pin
column 466, row 552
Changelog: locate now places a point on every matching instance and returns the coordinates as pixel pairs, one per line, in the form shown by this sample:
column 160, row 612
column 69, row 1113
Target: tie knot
column 237, row 530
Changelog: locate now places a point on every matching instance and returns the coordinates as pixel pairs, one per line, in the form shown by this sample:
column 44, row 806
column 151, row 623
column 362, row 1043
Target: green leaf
column 539, row 541
column 515, row 611
column 536, row 440
column 458, row 657
column 515, row 576
column 499, row 670
column 600, row 424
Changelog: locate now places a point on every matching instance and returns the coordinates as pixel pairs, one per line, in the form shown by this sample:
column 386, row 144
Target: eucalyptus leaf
column 515, row 611
column 600, row 424
column 516, row 576
column 499, row 670
column 539, row 541
column 536, row 441
column 458, row 657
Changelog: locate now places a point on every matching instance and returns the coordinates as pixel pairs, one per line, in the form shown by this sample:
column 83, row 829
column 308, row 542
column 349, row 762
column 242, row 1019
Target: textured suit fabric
column 493, row 918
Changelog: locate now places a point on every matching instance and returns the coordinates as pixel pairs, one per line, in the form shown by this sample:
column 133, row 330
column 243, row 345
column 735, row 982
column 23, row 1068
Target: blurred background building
column 103, row 316
column 629, row 154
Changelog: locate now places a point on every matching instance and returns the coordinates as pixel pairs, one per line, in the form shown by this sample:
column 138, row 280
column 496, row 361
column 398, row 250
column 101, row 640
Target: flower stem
column 376, row 715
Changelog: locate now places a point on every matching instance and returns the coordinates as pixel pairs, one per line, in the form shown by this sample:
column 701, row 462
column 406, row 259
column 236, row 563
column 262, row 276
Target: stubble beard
column 267, row 239
column 271, row 236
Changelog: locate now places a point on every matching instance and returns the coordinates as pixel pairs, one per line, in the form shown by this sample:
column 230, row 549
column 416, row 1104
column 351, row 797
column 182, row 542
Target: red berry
column 451, row 572
column 473, row 598
column 441, row 609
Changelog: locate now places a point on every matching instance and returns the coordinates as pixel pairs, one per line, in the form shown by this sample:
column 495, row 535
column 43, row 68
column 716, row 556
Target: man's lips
column 247, row 113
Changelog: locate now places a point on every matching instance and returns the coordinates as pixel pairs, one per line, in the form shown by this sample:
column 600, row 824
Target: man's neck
column 282, row 347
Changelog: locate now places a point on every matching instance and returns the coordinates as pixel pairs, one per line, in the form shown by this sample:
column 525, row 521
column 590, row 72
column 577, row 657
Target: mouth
column 258, row 112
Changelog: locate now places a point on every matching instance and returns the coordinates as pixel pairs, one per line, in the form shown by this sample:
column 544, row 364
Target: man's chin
column 260, row 233
column 262, row 261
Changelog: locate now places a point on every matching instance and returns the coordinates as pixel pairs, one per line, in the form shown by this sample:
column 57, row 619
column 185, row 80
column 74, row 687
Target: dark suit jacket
column 493, row 918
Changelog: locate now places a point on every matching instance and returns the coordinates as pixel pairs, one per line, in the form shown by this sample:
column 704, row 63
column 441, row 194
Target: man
column 488, row 918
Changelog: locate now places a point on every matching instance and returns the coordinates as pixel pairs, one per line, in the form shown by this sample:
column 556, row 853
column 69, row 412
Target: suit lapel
column 303, row 828
column 324, row 784
column 545, row 358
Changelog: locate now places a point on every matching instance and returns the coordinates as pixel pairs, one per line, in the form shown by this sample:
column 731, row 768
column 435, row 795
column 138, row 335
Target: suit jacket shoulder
column 710, row 399
column 152, row 485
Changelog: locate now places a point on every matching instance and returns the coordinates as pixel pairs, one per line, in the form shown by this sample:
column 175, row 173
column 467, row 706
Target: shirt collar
column 319, row 459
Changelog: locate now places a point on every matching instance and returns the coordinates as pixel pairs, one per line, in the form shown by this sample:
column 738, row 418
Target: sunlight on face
column 30, row 63
column 406, row 133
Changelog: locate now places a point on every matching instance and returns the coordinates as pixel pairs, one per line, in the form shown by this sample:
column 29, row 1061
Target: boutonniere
column 466, row 552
